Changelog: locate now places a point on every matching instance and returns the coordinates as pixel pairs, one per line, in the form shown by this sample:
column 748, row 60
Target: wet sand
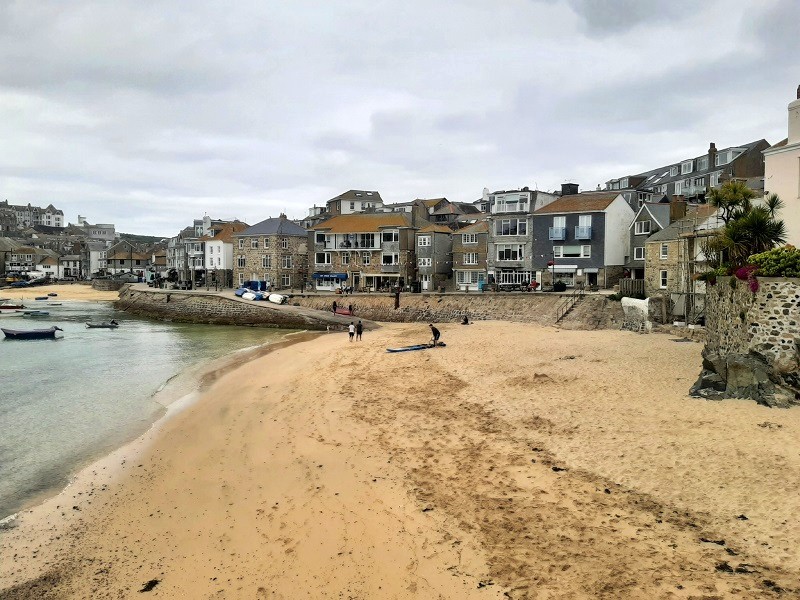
column 517, row 462
column 76, row 291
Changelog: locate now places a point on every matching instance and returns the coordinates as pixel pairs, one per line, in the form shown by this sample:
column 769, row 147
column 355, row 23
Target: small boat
column 241, row 291
column 31, row 334
column 104, row 325
column 248, row 296
column 9, row 306
column 344, row 311
column 35, row 313
column 414, row 347
column 42, row 298
column 278, row 298
column 54, row 304
column 52, row 294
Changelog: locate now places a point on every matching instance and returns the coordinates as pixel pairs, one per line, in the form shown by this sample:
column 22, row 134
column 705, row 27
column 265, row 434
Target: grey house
column 434, row 250
column 693, row 177
column 470, row 248
column 649, row 219
column 510, row 247
column 582, row 238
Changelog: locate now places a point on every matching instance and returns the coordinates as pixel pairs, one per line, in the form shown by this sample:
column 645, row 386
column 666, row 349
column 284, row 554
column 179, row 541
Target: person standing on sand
column 334, row 306
column 351, row 330
column 436, row 334
column 359, row 331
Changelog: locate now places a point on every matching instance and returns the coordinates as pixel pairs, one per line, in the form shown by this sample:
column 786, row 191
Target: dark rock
column 150, row 585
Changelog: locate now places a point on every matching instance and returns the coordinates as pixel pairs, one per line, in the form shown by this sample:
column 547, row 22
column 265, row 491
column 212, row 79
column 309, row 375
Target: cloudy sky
column 150, row 114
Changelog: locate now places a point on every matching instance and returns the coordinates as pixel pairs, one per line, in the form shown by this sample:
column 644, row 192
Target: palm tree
column 731, row 198
column 773, row 204
column 749, row 232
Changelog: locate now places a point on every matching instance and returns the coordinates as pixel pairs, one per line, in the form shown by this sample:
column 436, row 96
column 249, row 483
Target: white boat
column 248, row 296
column 278, row 298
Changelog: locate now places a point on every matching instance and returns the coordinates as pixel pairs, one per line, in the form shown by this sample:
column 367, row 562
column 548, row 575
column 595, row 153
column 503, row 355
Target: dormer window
column 673, row 171
column 686, row 167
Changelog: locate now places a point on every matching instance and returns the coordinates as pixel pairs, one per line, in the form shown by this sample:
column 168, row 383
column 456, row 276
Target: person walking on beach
column 350, row 308
column 334, row 306
column 436, row 334
column 359, row 331
column 351, row 330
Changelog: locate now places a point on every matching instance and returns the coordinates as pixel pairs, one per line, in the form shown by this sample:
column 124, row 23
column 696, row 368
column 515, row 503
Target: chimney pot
column 798, row 92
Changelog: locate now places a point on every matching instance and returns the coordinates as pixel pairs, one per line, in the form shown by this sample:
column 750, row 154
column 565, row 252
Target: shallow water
column 64, row 402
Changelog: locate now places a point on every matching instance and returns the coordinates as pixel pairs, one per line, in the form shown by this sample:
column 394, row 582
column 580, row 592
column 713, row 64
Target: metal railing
column 557, row 233
column 568, row 303
column 583, row 232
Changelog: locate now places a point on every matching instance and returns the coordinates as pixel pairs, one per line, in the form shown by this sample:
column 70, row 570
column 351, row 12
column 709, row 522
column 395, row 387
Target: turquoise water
column 64, row 402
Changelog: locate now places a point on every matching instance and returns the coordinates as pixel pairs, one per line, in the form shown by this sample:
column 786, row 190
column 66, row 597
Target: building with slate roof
column 434, row 254
column 674, row 255
column 582, row 238
column 692, row 177
column 274, row 251
column 782, row 173
column 470, row 253
column 28, row 216
column 218, row 245
column 650, row 218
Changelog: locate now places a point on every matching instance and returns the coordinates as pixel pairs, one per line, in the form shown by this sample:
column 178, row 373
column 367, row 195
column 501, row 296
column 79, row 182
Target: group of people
column 355, row 330
column 345, row 290
column 338, row 306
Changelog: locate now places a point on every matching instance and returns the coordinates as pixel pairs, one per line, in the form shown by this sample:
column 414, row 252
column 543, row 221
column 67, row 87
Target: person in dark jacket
column 359, row 330
column 334, row 306
column 436, row 334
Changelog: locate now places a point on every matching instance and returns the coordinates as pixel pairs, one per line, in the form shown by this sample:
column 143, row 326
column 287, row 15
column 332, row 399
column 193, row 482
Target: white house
column 782, row 173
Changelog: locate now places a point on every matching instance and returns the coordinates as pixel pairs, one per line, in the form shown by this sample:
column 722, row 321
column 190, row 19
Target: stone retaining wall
column 767, row 322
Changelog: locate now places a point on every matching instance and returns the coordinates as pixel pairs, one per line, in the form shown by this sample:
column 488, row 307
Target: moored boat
column 278, row 298
column 35, row 313
column 30, row 334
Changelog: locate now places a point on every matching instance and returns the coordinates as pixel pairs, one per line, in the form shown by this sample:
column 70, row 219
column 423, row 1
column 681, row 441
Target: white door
column 426, row 281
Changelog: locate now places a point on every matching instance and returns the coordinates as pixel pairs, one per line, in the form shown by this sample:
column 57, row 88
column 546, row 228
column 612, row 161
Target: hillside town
column 642, row 234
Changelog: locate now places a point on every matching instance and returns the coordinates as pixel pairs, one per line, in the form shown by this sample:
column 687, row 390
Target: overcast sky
column 151, row 114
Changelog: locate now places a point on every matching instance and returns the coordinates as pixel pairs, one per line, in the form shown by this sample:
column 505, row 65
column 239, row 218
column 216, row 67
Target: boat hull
column 30, row 334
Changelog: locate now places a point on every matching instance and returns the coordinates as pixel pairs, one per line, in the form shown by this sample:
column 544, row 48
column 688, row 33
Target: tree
column 749, row 229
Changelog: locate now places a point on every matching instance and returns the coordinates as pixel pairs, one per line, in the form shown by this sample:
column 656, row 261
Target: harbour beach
column 519, row 461
column 64, row 291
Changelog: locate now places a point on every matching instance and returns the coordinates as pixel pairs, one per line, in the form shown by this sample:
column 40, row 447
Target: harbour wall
column 314, row 311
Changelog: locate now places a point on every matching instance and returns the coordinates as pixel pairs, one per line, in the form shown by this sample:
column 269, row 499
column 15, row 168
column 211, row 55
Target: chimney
column 712, row 155
column 569, row 189
column 282, row 216
column 794, row 119
column 677, row 208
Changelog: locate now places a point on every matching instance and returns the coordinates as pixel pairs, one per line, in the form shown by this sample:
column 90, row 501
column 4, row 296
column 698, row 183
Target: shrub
column 778, row 262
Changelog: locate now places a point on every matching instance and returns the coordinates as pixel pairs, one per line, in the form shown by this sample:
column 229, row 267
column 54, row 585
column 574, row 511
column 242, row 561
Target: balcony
column 557, row 233
column 583, row 232
column 390, row 268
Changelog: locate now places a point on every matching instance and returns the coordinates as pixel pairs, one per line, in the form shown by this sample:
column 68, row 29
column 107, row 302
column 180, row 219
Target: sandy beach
column 517, row 462
column 77, row 291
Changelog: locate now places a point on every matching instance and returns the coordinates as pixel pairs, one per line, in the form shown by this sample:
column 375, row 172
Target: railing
column 568, row 302
column 583, row 232
column 558, row 233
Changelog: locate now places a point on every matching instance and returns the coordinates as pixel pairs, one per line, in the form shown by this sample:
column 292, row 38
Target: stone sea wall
column 751, row 332
column 315, row 311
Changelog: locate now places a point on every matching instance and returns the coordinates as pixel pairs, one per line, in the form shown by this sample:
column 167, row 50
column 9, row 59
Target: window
column 266, row 262
column 345, row 258
column 469, row 238
column 673, row 171
column 663, row 277
column 319, row 238
column 678, row 188
column 511, row 227
column 322, row 258
column 254, row 243
column 366, row 258
column 424, row 262
column 367, row 240
column 722, row 158
column 240, row 261
column 286, row 281
column 664, row 251
column 287, row 262
column 638, row 253
column 285, row 243
column 641, row 227
column 241, row 277
column 713, row 179
column 390, row 258
column 510, row 251
column 702, row 163
column 391, row 236
column 352, row 205
column 266, row 243
column 470, row 258
column 423, row 240
column 241, row 243
column 211, row 249
column 686, row 167
column 699, row 181
column 572, row 251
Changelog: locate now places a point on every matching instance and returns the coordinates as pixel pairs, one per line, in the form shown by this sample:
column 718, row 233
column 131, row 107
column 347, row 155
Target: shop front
column 327, row 282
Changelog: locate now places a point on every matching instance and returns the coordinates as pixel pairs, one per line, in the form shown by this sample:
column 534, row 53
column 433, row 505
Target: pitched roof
column 358, row 195
column 435, row 229
column 658, row 211
column 275, row 226
column 365, row 222
column 686, row 225
column 479, row 227
column 583, row 202
column 225, row 232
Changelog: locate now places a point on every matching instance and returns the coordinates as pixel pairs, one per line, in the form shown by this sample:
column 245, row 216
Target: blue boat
column 31, row 334
column 35, row 313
